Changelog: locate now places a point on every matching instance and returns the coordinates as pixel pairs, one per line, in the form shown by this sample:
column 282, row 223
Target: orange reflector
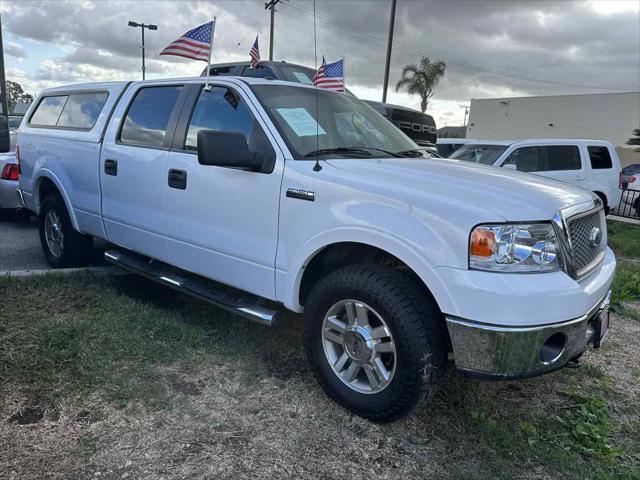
column 482, row 242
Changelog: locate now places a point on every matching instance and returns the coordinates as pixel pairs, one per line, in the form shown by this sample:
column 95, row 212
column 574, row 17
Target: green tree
column 421, row 79
column 16, row 94
column 635, row 140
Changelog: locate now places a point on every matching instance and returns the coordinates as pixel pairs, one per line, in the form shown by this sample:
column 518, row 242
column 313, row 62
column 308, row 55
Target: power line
column 355, row 31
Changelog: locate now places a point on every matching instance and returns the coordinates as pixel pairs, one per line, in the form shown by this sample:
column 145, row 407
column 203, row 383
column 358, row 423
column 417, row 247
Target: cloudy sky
column 492, row 48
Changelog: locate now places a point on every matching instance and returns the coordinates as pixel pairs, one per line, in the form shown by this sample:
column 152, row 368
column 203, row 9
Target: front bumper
column 501, row 353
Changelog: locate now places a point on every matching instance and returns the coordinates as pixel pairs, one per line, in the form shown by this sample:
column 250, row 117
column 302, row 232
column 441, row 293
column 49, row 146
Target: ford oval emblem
column 595, row 237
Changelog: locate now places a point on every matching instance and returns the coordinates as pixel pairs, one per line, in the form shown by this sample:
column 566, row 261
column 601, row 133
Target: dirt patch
column 187, row 388
column 27, row 415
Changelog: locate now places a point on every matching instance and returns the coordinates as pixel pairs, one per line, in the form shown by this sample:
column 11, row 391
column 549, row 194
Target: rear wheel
column 61, row 244
column 375, row 341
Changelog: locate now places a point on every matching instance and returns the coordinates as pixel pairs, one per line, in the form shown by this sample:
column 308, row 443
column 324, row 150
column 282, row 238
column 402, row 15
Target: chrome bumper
column 494, row 352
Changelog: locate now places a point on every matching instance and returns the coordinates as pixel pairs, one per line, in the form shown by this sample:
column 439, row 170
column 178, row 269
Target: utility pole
column 271, row 5
column 466, row 112
column 143, row 26
column 392, row 21
column 3, row 80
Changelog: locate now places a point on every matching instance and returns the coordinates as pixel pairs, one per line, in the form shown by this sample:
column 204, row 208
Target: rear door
column 223, row 222
column 133, row 167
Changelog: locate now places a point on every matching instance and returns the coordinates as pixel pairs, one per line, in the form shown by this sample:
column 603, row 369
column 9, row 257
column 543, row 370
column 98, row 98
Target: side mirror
column 227, row 149
column 5, row 138
column 510, row 166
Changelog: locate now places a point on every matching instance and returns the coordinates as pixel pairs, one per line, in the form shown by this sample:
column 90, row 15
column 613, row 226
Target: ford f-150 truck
column 261, row 195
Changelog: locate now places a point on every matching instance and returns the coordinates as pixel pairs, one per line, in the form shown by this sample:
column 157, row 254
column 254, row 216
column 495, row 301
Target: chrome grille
column 584, row 253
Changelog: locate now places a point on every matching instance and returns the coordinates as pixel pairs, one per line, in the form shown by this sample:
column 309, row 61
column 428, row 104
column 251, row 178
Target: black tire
column 416, row 325
column 76, row 247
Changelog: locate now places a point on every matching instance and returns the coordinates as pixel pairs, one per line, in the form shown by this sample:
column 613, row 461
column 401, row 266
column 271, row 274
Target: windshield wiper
column 343, row 150
column 415, row 153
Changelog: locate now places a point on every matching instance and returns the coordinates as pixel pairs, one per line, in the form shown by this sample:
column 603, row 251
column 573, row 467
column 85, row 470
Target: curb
column 98, row 271
column 616, row 218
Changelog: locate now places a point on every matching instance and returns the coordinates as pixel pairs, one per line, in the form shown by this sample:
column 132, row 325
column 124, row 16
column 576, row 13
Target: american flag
column 195, row 44
column 254, row 53
column 330, row 76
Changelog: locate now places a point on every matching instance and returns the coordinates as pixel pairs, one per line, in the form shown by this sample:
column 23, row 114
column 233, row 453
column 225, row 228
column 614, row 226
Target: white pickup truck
column 260, row 195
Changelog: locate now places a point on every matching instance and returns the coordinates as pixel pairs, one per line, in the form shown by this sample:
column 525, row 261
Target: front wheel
column 61, row 244
column 375, row 341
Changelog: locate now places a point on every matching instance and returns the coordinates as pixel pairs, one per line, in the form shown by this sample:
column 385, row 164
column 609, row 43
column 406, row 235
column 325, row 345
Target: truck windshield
column 484, row 154
column 340, row 127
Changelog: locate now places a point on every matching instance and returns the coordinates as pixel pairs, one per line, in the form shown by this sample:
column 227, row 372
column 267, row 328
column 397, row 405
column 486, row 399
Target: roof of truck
column 122, row 84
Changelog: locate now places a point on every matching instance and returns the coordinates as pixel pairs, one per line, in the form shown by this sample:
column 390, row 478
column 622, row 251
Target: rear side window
column 600, row 157
column 76, row 111
column 48, row 111
column 148, row 115
column 82, row 110
column 562, row 157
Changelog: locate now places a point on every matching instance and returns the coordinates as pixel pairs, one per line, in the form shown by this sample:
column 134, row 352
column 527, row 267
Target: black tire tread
column 77, row 246
column 422, row 329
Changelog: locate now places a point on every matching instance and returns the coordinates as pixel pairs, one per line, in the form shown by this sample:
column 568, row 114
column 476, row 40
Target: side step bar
column 228, row 298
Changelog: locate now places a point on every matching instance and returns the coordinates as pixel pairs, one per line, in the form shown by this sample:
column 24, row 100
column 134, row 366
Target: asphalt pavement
column 20, row 245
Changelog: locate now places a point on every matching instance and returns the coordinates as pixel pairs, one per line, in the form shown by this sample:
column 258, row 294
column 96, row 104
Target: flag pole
column 213, row 30
column 344, row 77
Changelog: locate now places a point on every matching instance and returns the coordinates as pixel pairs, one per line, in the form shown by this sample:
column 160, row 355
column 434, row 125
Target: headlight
column 514, row 248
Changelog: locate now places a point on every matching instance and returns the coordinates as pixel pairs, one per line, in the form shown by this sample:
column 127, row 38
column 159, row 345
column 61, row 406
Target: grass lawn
column 624, row 238
column 121, row 378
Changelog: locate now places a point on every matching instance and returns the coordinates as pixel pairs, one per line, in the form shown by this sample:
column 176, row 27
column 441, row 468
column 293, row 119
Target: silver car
column 9, row 199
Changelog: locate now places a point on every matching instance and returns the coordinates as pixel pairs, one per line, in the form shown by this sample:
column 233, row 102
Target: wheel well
column 46, row 187
column 340, row 255
column 603, row 197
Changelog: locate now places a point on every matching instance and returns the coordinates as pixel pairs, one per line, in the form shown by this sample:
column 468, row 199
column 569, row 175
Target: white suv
column 590, row 164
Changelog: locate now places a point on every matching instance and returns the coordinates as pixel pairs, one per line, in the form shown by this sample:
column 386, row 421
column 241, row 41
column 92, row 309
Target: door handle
column 111, row 167
column 178, row 179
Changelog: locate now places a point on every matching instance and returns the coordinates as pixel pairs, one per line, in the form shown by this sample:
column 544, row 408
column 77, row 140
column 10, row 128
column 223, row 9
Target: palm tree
column 422, row 79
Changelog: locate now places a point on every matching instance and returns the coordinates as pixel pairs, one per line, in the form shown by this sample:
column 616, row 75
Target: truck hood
column 514, row 196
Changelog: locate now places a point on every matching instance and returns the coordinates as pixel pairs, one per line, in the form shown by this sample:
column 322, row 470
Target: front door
column 222, row 222
column 133, row 169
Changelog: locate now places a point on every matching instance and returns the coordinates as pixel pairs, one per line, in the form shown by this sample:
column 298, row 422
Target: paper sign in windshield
column 301, row 121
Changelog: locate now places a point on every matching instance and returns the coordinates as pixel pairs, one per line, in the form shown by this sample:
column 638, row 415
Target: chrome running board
column 233, row 300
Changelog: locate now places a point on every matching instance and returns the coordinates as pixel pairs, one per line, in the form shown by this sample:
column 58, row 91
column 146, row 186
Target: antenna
column 317, row 167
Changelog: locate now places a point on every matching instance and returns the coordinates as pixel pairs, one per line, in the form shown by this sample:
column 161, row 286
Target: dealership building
column 607, row 116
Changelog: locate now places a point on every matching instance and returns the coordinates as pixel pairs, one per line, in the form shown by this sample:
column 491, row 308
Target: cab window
column 258, row 72
column 223, row 109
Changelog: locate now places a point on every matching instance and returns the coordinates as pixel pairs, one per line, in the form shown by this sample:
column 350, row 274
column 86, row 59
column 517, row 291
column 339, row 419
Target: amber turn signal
column 482, row 242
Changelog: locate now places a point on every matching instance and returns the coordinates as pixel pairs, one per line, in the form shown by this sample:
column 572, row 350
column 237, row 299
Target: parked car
column 244, row 196
column 9, row 171
column 420, row 127
column 629, row 171
column 630, row 194
column 590, row 164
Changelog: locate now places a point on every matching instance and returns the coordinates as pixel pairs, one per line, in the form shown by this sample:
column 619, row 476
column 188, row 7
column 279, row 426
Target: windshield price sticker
column 301, row 122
